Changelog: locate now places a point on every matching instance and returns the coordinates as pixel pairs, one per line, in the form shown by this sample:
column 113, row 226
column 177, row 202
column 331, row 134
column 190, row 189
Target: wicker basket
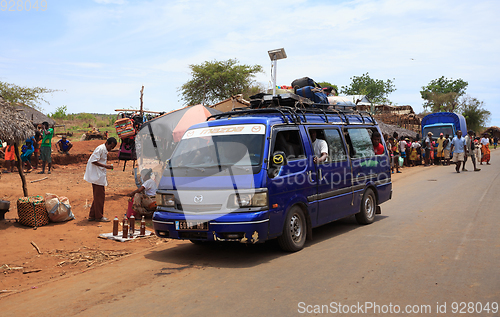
column 32, row 212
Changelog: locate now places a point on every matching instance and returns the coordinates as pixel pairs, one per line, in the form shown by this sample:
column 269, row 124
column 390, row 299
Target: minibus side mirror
column 278, row 160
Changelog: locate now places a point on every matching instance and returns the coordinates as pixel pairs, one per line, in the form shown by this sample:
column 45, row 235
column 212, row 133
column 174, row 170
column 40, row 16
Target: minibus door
column 290, row 182
column 334, row 193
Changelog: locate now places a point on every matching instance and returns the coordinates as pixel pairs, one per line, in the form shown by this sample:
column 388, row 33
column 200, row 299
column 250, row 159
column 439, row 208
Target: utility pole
column 142, row 111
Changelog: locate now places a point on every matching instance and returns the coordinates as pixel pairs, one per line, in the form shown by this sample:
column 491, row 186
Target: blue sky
column 101, row 52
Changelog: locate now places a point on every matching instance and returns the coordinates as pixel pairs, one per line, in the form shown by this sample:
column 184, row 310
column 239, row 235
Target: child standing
column 10, row 158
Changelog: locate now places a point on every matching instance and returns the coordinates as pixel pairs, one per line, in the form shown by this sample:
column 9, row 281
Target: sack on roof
column 303, row 82
column 314, row 94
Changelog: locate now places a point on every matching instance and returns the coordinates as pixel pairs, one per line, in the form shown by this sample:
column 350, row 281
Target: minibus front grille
column 199, row 208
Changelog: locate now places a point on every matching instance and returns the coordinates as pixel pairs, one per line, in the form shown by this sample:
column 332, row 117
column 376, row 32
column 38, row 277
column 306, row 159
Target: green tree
column 443, row 94
column 327, row 84
column 475, row 115
column 60, row 113
column 28, row 96
column 376, row 90
column 215, row 81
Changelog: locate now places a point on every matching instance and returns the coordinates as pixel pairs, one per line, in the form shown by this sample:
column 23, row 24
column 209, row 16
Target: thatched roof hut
column 34, row 115
column 14, row 125
column 390, row 129
column 493, row 131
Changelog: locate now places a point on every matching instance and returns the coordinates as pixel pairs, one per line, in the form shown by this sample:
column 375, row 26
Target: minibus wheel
column 294, row 230
column 368, row 207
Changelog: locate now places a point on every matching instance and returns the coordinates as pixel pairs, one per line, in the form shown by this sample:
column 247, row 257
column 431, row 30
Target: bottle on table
column 131, row 222
column 115, row 226
column 125, row 228
column 143, row 227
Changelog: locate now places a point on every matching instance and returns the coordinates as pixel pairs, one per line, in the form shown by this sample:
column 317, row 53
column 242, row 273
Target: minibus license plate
column 191, row 225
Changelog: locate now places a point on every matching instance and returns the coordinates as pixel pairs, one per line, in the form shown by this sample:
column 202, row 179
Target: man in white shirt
column 320, row 148
column 144, row 196
column 458, row 146
column 96, row 174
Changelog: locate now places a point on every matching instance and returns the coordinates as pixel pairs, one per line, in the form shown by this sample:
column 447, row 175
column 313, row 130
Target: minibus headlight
column 167, row 200
column 248, row 200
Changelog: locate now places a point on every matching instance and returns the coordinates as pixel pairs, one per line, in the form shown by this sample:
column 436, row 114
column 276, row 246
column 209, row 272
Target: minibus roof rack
column 296, row 107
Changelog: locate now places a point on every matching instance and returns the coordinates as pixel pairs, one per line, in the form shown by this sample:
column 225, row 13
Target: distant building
column 493, row 132
column 231, row 103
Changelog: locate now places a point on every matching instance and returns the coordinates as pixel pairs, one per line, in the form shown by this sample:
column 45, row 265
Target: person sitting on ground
column 378, row 147
column 64, row 145
column 145, row 196
column 320, row 148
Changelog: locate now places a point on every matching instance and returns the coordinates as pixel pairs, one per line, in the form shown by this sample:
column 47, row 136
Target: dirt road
column 66, row 247
column 436, row 243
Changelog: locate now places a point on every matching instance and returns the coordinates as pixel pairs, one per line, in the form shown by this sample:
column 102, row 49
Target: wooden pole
column 20, row 169
column 142, row 93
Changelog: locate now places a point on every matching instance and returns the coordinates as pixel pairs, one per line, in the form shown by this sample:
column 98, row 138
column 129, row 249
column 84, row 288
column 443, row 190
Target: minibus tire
column 366, row 214
column 294, row 230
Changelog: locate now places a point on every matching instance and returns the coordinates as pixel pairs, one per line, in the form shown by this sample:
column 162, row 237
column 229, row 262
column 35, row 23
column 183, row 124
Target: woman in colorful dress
column 485, row 149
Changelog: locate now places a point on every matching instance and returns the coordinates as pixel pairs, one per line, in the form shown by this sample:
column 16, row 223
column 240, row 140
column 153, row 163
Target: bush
column 101, row 123
column 60, row 113
column 85, row 116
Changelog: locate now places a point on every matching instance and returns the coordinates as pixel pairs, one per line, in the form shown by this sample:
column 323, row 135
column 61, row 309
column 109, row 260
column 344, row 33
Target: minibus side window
column 289, row 142
column 335, row 145
column 371, row 132
column 361, row 143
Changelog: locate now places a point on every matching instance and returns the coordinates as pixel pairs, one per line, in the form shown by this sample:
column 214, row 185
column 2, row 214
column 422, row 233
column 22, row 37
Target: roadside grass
column 80, row 123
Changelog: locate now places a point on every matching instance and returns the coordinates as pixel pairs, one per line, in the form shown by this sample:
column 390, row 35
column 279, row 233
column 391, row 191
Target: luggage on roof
column 314, row 94
column 303, row 82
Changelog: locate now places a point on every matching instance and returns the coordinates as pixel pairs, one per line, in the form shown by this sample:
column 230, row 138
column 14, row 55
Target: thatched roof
column 14, row 126
column 390, row 129
column 34, row 115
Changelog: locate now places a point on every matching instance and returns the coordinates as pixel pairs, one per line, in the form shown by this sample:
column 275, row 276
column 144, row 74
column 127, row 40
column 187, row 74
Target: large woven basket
column 32, row 212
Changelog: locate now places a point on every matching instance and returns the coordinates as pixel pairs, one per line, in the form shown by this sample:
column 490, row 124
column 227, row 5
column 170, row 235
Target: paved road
column 437, row 242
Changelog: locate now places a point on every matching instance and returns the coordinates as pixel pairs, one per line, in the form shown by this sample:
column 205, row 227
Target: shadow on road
column 238, row 255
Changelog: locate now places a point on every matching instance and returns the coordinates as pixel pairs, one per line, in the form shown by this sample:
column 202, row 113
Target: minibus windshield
column 219, row 151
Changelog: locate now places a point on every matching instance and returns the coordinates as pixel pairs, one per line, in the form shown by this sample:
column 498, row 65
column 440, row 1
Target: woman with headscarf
column 485, row 149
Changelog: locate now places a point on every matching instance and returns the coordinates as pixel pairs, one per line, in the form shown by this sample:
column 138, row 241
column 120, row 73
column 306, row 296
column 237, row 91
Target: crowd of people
column 35, row 148
column 444, row 150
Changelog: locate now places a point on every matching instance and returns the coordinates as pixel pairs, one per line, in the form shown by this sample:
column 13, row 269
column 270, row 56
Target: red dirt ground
column 59, row 242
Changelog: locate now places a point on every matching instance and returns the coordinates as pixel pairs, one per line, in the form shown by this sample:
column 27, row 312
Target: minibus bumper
column 248, row 227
